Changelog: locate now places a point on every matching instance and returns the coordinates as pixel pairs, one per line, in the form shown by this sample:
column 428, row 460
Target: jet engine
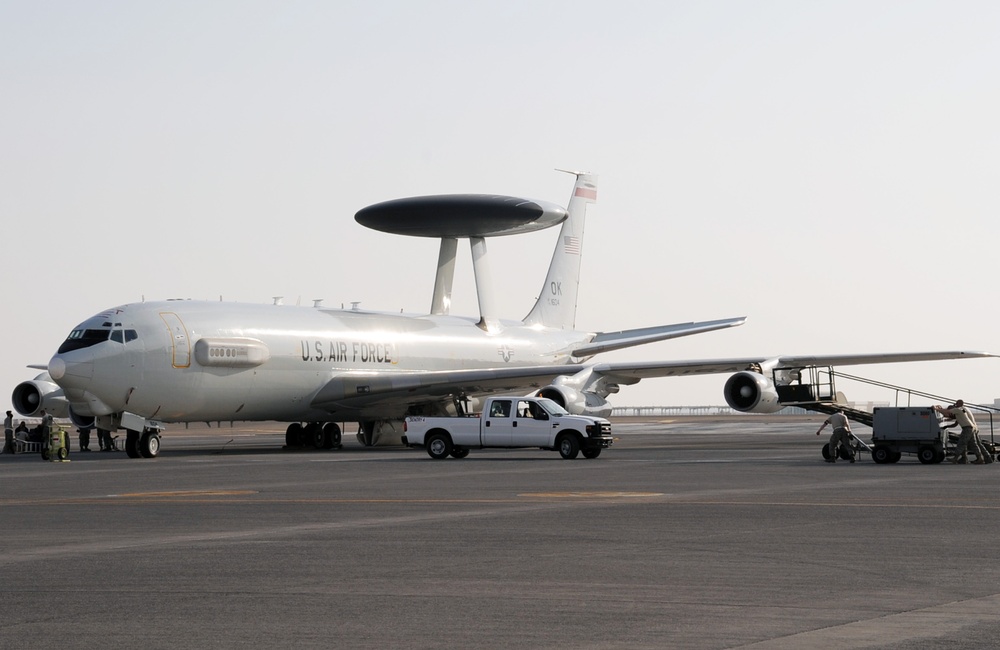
column 30, row 397
column 752, row 392
column 577, row 402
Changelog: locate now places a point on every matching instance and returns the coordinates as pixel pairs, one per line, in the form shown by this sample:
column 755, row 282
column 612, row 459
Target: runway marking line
column 182, row 493
column 591, row 495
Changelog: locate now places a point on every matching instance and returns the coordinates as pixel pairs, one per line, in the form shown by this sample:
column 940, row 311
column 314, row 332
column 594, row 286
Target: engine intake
column 30, row 397
column 576, row 402
column 751, row 392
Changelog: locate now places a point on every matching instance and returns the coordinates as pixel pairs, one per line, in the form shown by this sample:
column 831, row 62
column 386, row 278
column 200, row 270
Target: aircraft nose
column 69, row 369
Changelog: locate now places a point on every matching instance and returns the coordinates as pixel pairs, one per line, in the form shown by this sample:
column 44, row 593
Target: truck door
column 497, row 424
column 532, row 426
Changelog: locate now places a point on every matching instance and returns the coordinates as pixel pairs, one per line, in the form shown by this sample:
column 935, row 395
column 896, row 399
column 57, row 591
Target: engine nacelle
column 30, row 397
column 576, row 402
column 752, row 392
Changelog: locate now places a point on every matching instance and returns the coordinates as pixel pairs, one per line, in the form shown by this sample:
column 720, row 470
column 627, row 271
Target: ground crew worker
column 966, row 439
column 8, row 433
column 841, row 435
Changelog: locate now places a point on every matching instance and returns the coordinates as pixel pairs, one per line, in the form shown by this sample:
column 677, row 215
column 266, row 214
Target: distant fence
column 667, row 411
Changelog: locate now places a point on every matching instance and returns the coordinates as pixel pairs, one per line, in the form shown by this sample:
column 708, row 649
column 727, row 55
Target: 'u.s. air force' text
column 349, row 352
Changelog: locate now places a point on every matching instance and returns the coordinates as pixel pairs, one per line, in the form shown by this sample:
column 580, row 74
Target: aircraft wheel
column 439, row 445
column 569, row 446
column 293, row 435
column 331, row 436
column 592, row 453
column 132, row 444
column 459, row 452
column 882, row 454
column 149, row 444
column 927, row 454
column 315, row 435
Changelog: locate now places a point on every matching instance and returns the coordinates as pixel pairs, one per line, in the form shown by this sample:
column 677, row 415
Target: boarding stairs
column 813, row 388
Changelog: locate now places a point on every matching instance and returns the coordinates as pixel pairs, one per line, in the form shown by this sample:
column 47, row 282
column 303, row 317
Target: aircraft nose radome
column 70, row 372
column 57, row 368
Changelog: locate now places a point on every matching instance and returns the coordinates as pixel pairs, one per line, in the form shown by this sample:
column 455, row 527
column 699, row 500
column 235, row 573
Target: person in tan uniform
column 841, row 435
column 967, row 439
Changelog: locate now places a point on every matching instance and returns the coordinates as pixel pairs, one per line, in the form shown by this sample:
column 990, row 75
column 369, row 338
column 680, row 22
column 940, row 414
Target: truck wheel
column 592, row 453
column 927, row 454
column 439, row 445
column 459, row 452
column 882, row 454
column 569, row 447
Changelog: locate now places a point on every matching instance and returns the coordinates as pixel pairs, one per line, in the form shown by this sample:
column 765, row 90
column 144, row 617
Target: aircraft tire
column 331, row 436
column 315, row 435
column 149, row 445
column 568, row 445
column 132, row 444
column 439, row 445
column 592, row 453
column 293, row 435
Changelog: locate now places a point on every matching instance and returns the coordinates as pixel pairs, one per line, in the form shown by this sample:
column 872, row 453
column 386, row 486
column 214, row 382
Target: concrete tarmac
column 695, row 533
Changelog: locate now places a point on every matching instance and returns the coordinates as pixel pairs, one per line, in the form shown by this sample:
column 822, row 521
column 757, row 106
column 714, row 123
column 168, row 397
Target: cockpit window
column 124, row 336
column 79, row 339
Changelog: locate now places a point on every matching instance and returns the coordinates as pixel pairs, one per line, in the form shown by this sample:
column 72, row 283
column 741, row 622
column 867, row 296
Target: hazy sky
column 828, row 169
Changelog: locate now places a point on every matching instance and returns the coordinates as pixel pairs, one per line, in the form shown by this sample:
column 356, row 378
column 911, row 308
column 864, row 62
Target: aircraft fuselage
column 185, row 361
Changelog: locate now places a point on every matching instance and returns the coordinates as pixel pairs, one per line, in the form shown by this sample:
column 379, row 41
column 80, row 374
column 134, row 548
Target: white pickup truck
column 510, row 422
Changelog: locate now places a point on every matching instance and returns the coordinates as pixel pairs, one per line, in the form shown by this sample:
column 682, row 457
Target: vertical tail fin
column 556, row 304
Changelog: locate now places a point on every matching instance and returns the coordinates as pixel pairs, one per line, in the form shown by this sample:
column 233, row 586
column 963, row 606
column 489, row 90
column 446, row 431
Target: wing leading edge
column 630, row 373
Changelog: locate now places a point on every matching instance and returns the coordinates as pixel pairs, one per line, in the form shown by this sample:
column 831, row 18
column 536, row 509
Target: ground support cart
column 908, row 430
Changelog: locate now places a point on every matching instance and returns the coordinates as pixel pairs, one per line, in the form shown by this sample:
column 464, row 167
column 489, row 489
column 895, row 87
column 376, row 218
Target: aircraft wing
column 360, row 390
column 630, row 373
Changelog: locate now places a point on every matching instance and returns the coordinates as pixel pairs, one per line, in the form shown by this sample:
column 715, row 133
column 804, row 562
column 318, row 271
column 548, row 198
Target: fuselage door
column 179, row 340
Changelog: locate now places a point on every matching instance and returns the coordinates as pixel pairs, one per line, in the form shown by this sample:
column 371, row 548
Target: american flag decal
column 586, row 193
column 571, row 245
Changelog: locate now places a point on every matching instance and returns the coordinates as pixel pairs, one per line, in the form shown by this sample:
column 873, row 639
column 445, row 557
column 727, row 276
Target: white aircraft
column 140, row 365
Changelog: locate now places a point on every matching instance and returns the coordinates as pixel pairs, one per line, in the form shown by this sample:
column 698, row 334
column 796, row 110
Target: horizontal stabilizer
column 607, row 341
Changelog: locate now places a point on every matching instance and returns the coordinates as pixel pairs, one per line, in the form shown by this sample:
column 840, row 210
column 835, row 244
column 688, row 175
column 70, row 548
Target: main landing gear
column 318, row 435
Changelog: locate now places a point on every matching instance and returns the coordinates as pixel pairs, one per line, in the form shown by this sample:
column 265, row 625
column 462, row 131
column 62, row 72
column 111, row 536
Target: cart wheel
column 927, row 454
column 881, row 454
column 844, row 453
column 826, row 451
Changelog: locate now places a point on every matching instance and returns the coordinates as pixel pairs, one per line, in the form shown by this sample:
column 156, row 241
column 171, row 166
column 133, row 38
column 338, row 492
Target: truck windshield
column 552, row 408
